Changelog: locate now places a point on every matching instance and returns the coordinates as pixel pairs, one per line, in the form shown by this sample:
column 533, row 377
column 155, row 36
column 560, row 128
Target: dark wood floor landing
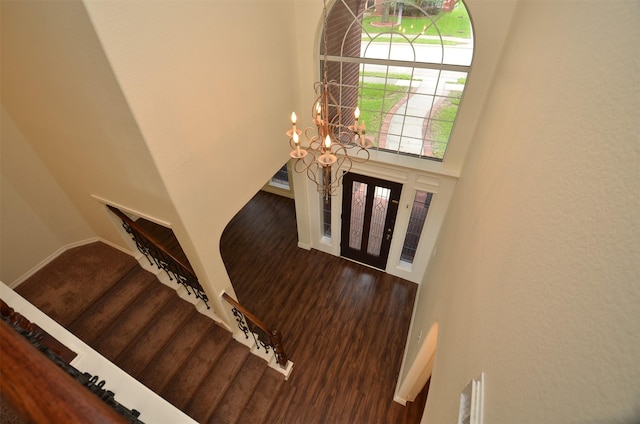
column 344, row 324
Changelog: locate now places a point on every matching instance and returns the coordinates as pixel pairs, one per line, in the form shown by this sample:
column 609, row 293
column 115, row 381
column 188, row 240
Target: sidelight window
column 419, row 211
column 325, row 211
column 281, row 178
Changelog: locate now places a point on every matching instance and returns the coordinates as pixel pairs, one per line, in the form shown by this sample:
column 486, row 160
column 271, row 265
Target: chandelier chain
column 336, row 146
column 324, row 39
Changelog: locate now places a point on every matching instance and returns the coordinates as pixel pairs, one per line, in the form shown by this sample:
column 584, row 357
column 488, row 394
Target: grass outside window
column 375, row 102
column 447, row 24
column 441, row 123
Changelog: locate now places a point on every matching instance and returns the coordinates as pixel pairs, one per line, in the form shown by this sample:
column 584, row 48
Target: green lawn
column 390, row 75
column 387, row 38
column 452, row 24
column 442, row 124
column 373, row 99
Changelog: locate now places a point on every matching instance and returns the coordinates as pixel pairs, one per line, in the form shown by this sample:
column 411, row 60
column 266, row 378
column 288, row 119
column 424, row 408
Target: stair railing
column 41, row 386
column 156, row 254
column 261, row 334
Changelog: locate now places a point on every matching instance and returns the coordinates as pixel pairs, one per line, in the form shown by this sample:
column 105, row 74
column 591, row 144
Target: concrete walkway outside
column 404, row 126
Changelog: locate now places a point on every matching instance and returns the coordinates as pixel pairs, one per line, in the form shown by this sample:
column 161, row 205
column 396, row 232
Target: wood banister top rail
column 8, row 313
column 247, row 322
column 41, row 392
column 246, row 313
column 152, row 239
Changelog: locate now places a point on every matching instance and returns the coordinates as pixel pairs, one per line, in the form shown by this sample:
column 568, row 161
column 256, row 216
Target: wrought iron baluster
column 242, row 325
column 155, row 254
column 33, row 334
column 262, row 336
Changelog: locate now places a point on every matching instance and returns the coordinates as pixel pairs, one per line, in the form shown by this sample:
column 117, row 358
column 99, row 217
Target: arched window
column 405, row 64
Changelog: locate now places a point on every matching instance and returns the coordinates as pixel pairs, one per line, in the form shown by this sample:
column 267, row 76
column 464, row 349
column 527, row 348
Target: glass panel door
column 358, row 198
column 369, row 207
column 378, row 217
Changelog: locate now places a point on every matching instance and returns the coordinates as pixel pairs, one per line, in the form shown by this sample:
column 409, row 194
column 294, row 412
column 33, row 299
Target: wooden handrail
column 46, row 339
column 152, row 239
column 276, row 338
column 41, row 392
column 246, row 313
column 154, row 251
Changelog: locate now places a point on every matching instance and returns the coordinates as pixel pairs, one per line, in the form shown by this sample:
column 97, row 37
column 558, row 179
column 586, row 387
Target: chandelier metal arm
column 334, row 145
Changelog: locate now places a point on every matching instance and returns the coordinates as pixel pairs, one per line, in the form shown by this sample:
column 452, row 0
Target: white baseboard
column 401, row 401
column 134, row 212
column 135, row 254
column 60, row 251
column 304, row 246
column 37, row 268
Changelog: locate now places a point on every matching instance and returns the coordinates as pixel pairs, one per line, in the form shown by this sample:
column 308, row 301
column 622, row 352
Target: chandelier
column 330, row 144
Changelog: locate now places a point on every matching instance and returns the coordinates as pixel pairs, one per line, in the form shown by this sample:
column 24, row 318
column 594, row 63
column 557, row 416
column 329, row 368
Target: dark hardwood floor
column 344, row 324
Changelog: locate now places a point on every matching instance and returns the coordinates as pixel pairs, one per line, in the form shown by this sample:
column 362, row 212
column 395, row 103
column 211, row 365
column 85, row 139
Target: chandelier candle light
column 334, row 145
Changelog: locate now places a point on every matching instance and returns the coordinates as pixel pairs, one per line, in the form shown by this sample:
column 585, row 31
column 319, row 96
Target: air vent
column 471, row 402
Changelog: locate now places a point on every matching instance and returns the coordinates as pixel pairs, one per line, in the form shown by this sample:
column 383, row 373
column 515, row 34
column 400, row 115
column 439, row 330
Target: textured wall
column 535, row 279
column 210, row 84
column 62, row 95
column 174, row 109
column 36, row 216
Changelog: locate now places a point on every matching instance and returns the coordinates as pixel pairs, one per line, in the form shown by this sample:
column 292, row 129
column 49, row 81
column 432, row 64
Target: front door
column 369, row 207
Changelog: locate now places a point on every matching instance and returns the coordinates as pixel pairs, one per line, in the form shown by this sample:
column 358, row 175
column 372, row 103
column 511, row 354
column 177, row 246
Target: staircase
column 107, row 300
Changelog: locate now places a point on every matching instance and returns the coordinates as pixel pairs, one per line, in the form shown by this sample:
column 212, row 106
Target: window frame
column 396, row 155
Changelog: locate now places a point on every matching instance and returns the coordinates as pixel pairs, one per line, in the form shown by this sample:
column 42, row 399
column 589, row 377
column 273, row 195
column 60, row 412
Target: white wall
column 173, row 109
column 210, row 85
column 535, row 278
column 36, row 216
column 65, row 103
